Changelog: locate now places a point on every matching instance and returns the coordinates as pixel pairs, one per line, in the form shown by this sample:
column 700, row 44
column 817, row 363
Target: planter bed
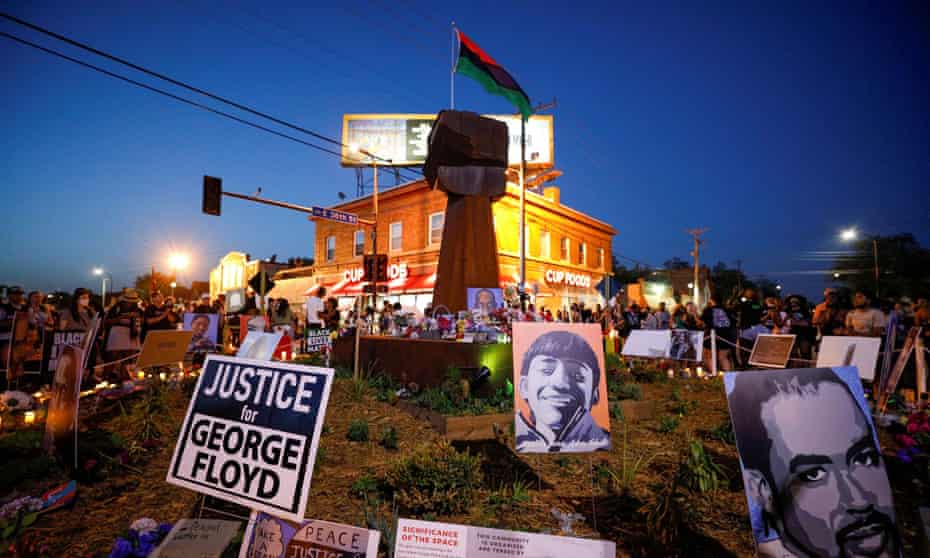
column 469, row 427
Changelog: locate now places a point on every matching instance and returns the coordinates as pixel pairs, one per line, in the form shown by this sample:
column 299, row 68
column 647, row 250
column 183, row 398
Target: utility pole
column 537, row 108
column 696, row 235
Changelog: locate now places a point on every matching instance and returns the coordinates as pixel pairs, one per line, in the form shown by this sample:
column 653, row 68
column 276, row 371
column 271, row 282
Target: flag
column 476, row 64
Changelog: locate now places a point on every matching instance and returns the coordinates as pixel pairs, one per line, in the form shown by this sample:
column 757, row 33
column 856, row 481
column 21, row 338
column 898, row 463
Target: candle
column 671, row 373
column 29, row 417
column 140, row 374
column 700, row 372
column 162, row 376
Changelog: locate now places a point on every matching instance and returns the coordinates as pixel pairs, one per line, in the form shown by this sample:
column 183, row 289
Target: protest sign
column 271, row 537
column 61, row 421
column 648, row 343
column 560, row 388
column 813, row 470
column 771, row 351
column 686, row 345
column 54, row 342
column 25, row 348
column 251, row 433
column 258, row 345
column 317, row 340
column 163, row 346
column 252, row 323
column 197, row 538
column 205, row 328
column 861, row 352
column 428, row 539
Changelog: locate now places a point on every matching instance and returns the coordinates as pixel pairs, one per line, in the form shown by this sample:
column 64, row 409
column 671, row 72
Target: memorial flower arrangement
column 916, row 438
column 16, row 401
column 144, row 536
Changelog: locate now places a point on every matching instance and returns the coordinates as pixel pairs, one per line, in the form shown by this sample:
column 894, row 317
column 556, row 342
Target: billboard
column 402, row 138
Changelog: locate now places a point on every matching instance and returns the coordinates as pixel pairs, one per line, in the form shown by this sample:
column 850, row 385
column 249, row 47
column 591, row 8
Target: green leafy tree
column 902, row 263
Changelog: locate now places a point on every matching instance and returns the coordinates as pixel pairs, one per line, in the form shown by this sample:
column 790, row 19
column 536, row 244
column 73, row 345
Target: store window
column 359, row 246
column 436, row 221
column 600, row 258
column 330, row 248
column 526, row 240
column 544, row 248
column 397, row 235
column 581, row 253
column 564, row 249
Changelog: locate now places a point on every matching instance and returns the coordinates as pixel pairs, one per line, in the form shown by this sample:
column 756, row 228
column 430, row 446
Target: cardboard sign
column 318, row 340
column 164, row 346
column 197, row 538
column 251, row 433
column 54, row 342
column 270, row 537
column 421, row 539
column 686, row 345
column 813, row 470
column 61, row 421
column 648, row 343
column 560, row 388
column 205, row 328
column 861, row 352
column 258, row 345
column 771, row 351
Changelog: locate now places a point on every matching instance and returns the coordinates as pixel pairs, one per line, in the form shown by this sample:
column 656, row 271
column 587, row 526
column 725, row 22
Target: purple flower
column 164, row 529
column 121, row 548
column 904, row 456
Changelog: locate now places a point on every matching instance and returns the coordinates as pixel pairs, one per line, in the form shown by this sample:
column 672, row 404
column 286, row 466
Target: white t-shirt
column 313, row 305
column 863, row 321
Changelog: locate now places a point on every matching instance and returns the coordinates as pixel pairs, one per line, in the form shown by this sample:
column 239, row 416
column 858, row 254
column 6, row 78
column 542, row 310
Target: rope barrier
column 99, row 366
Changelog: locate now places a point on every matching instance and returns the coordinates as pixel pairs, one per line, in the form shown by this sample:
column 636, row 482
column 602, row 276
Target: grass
column 668, row 424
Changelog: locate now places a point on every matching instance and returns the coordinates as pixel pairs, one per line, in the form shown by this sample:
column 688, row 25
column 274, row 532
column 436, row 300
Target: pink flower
column 925, row 427
column 912, row 427
column 905, row 440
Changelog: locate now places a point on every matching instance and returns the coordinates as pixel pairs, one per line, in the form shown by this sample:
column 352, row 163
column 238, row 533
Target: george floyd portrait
column 814, row 476
column 205, row 332
column 560, row 395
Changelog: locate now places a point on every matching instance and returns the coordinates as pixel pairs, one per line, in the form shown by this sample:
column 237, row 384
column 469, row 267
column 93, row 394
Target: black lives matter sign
column 251, row 433
column 317, row 340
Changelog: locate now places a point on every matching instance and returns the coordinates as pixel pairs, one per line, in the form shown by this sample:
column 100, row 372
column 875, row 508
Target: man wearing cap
column 15, row 303
column 124, row 328
column 204, row 306
column 829, row 318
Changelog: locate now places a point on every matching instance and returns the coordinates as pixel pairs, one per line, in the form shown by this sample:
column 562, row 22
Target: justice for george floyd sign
column 251, row 433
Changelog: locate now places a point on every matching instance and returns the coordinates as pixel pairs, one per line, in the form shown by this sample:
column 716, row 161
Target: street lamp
column 177, row 261
column 778, row 287
column 104, row 275
column 851, row 234
column 173, row 285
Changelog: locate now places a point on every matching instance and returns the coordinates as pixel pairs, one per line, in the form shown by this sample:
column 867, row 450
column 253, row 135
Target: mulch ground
column 709, row 524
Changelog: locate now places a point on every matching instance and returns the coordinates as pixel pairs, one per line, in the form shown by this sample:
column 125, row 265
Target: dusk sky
column 773, row 124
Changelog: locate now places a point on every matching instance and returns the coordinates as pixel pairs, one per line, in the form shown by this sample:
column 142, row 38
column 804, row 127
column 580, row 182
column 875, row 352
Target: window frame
column 545, row 244
column 330, row 258
column 582, row 253
column 429, row 228
column 400, row 237
column 355, row 251
column 565, row 249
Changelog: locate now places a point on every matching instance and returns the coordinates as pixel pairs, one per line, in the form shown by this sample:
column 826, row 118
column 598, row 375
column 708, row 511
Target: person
column 679, row 317
column 863, row 320
column 663, row 318
column 829, row 318
column 631, row 316
column 799, row 323
column 750, row 311
column 282, row 318
column 813, row 471
column 313, row 307
column 716, row 319
column 200, row 341
column 331, row 314
column 79, row 315
column 204, row 306
column 772, row 318
column 158, row 315
column 692, row 318
column 40, row 317
column 559, row 381
column 124, row 328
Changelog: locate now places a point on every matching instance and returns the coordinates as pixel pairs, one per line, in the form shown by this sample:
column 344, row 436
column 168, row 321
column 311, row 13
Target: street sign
column 335, row 215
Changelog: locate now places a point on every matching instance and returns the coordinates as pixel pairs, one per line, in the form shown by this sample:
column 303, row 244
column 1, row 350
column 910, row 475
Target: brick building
column 567, row 257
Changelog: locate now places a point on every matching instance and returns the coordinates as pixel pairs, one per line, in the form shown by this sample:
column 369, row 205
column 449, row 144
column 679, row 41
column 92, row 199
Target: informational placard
column 318, row 340
column 258, row 345
column 771, row 351
column 861, row 352
column 560, row 388
column 205, row 328
column 54, row 342
column 271, row 537
column 648, row 343
column 429, row 539
column 686, row 345
column 401, row 140
column 197, row 538
column 813, row 471
column 251, row 433
column 164, row 346
column 484, row 300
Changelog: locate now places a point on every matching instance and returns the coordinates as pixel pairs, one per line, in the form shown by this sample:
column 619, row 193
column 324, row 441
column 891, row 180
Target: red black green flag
column 476, row 64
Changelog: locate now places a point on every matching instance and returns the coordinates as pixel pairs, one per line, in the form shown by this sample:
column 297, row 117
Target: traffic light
column 382, row 268
column 368, row 268
column 212, row 194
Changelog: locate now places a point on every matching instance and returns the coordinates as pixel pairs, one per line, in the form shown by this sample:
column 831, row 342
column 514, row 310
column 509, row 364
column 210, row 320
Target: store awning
column 410, row 284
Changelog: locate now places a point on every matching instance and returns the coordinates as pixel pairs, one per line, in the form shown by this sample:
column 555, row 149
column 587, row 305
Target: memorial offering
column 251, row 433
column 162, row 347
column 268, row 536
column 200, row 538
column 648, row 343
column 258, row 345
column 771, row 351
column 861, row 352
column 205, row 328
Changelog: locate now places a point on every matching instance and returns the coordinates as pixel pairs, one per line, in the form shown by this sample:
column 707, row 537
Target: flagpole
column 523, row 212
column 452, row 73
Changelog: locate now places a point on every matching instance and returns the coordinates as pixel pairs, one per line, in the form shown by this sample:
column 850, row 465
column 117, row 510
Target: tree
column 143, row 284
column 728, row 282
column 902, row 263
column 677, row 263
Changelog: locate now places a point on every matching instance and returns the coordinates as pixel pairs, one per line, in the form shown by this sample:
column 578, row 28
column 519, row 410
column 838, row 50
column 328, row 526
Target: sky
column 773, row 124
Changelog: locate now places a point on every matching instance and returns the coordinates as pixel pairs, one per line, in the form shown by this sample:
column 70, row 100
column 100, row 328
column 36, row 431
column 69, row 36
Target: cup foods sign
column 554, row 277
column 395, row 271
column 251, row 433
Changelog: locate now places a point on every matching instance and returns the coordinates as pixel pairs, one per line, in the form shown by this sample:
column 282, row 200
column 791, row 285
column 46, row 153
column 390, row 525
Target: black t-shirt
column 150, row 312
column 718, row 319
column 750, row 313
